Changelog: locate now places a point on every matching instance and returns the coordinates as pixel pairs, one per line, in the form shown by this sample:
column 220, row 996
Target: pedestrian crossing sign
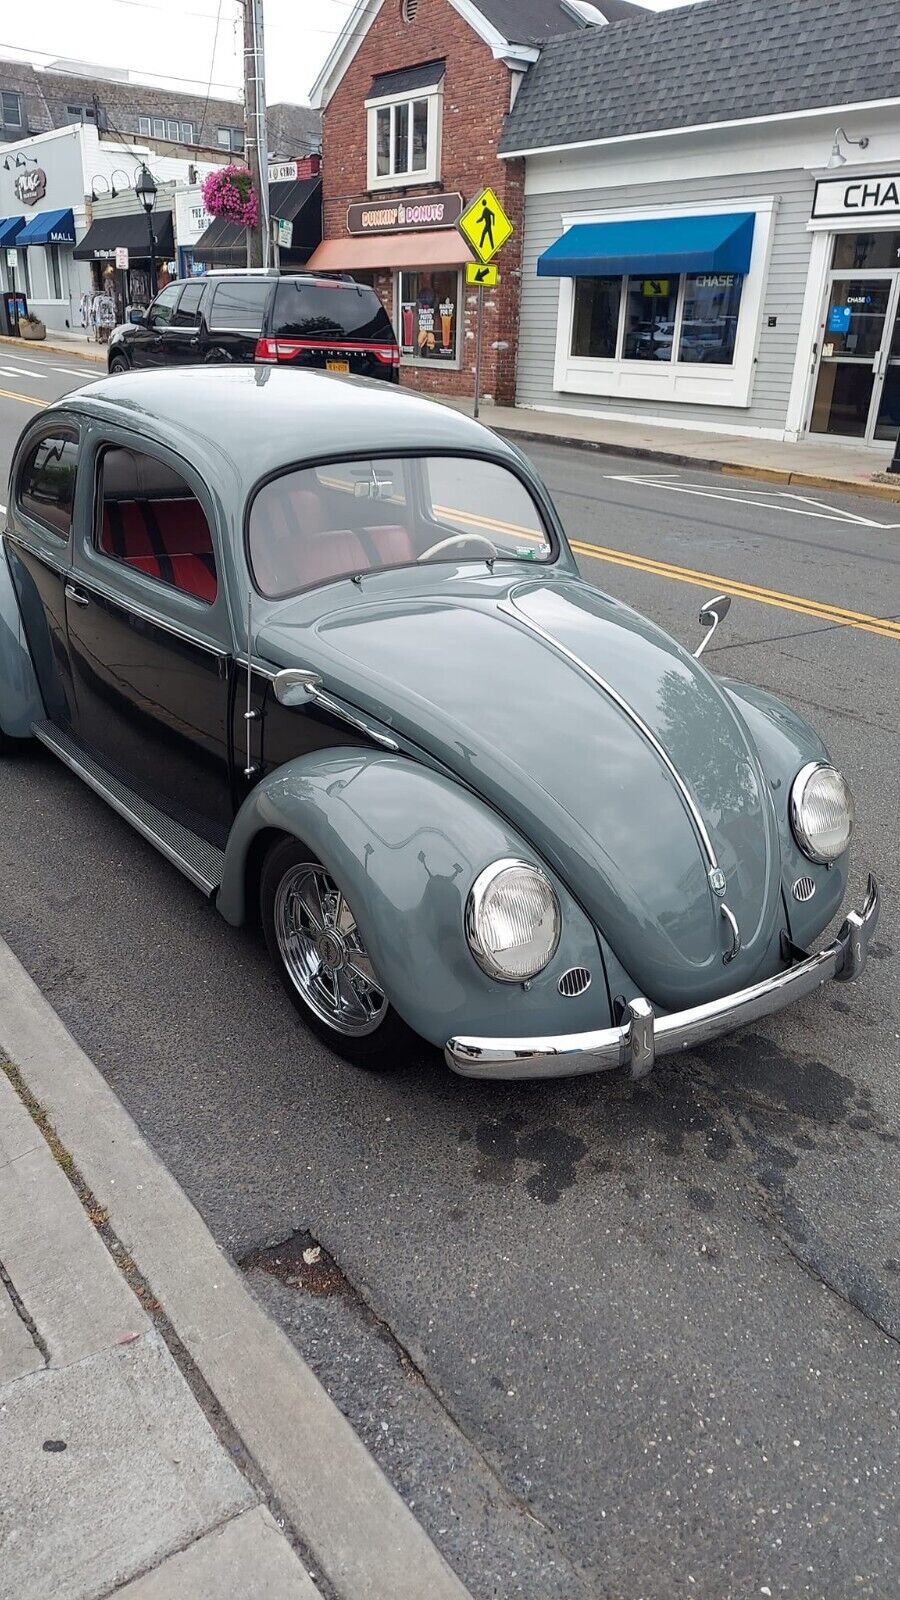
column 485, row 225
column 486, row 276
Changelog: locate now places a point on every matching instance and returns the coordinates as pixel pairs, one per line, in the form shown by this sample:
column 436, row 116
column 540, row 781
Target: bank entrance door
column 857, row 389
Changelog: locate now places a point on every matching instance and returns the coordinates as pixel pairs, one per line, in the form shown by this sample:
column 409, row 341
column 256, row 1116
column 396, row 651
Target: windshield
column 349, row 517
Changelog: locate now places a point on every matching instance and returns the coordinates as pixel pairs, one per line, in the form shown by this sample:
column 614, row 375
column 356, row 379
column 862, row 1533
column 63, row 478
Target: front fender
column 405, row 844
column 20, row 697
column 785, row 743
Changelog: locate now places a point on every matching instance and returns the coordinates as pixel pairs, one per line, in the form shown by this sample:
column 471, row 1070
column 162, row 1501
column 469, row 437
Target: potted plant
column 31, row 327
column 229, row 192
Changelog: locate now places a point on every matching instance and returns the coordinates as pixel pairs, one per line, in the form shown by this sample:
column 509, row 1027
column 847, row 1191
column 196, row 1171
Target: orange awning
column 442, row 247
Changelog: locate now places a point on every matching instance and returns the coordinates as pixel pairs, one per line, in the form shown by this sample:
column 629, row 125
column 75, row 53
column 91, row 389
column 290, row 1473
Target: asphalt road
column 607, row 1340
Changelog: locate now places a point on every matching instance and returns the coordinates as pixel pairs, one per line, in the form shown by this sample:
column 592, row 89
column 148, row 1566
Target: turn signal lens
column 821, row 812
column 513, row 921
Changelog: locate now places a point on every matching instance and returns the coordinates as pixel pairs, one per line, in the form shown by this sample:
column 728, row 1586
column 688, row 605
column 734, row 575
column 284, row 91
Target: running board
column 195, row 857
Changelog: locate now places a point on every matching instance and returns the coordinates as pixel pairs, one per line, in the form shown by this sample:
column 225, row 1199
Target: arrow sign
column 486, row 276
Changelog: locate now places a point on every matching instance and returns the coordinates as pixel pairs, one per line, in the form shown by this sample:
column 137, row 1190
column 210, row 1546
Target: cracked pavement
column 607, row 1339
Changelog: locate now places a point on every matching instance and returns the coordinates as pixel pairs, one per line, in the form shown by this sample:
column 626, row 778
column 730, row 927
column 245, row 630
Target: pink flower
column 229, row 192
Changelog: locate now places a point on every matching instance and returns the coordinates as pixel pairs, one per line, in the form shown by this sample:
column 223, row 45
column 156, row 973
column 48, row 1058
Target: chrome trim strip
column 643, row 1036
column 327, row 704
column 139, row 824
column 510, row 607
column 60, row 567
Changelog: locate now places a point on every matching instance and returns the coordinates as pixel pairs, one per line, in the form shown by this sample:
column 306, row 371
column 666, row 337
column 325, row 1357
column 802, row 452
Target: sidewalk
column 817, row 463
column 72, row 342
column 150, row 1412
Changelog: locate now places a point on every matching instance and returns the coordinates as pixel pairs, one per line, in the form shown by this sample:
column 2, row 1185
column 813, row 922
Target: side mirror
column 137, row 316
column 295, row 686
column 712, row 613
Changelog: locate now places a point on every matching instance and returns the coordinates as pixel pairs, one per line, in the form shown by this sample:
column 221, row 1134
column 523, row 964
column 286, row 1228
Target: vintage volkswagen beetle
column 325, row 645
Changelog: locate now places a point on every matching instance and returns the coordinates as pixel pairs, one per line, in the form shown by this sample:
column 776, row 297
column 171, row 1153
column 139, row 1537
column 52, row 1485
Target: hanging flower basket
column 229, row 192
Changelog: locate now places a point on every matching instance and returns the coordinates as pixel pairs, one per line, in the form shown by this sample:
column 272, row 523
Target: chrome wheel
column 323, row 953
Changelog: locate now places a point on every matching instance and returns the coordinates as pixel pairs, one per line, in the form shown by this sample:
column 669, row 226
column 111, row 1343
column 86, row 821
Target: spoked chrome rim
column 323, row 952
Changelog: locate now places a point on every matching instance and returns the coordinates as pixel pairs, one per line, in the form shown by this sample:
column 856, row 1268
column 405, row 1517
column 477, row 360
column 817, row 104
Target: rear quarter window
column 330, row 311
column 45, row 489
column 239, row 306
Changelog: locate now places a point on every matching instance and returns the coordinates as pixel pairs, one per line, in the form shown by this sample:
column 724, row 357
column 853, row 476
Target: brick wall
column 476, row 101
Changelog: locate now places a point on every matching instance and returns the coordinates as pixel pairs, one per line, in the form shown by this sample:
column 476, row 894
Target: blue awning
column 9, row 227
column 48, row 227
column 651, row 247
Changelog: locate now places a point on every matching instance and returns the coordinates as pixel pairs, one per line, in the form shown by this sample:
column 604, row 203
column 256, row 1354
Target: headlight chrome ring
column 821, row 812
column 513, row 920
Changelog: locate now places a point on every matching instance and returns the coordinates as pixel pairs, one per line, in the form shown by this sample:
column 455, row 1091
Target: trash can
column 13, row 305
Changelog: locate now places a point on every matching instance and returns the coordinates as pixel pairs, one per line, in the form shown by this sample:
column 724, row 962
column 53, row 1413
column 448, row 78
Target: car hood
column 498, row 680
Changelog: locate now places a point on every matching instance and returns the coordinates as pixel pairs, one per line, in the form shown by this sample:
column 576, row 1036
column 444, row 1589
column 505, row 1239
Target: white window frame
column 161, row 122
column 433, row 95
column 433, row 363
column 145, row 127
column 16, row 94
column 187, row 133
column 681, row 382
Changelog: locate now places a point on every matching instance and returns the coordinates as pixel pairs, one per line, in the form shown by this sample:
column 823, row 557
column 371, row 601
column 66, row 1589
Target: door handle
column 76, row 596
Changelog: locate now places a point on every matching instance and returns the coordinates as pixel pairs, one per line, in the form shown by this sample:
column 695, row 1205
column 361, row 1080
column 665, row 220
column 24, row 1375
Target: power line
column 128, row 83
column 212, row 62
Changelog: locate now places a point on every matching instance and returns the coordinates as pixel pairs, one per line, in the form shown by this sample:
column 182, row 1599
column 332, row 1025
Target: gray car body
column 489, row 684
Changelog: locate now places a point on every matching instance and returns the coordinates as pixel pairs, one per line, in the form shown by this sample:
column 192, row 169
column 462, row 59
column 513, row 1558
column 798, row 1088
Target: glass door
column 886, row 423
column 859, row 344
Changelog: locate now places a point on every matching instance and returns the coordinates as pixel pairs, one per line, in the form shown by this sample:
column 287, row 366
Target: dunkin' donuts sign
column 396, row 216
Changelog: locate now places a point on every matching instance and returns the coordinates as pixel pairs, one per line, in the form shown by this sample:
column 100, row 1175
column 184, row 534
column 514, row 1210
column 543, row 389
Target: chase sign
column 872, row 195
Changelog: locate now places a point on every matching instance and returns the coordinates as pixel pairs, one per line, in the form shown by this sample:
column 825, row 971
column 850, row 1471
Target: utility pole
column 255, row 138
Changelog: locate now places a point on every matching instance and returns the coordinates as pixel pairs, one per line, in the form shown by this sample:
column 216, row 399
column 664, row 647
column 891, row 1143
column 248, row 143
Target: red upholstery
column 329, row 556
column 168, row 539
column 393, row 544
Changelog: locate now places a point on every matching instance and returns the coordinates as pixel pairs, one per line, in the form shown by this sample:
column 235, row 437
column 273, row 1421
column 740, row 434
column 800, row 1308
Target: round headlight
column 512, row 921
column 821, row 812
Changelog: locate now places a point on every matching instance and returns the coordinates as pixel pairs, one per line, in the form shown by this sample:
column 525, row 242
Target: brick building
column 415, row 94
column 36, row 99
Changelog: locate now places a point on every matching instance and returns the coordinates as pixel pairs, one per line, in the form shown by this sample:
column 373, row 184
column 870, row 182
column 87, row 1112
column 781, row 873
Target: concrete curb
column 364, row 1538
column 807, row 480
column 87, row 354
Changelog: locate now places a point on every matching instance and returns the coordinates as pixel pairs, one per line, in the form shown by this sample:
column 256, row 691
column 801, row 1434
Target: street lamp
column 145, row 189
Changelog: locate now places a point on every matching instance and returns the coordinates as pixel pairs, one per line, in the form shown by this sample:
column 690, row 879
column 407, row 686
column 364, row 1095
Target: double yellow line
column 832, row 615
column 26, row 399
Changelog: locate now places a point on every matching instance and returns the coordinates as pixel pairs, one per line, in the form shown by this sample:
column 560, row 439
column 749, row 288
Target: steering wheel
column 458, row 538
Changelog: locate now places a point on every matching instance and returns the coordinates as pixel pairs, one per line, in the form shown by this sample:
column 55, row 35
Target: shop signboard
column 31, row 186
column 854, row 196
column 11, row 258
column 282, row 172
column 399, row 216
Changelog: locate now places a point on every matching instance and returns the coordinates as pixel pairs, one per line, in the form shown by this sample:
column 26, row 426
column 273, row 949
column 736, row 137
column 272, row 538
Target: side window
column 188, row 306
column 239, row 306
column 46, row 483
column 150, row 519
column 160, row 313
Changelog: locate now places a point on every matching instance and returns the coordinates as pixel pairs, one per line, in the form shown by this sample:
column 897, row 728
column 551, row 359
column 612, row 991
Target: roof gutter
column 702, row 127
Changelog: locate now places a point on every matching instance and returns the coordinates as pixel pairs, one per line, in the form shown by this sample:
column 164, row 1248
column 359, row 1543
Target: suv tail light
column 266, row 350
column 285, row 349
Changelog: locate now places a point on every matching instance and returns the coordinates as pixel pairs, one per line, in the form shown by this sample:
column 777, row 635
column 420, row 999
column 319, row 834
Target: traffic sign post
column 486, row 228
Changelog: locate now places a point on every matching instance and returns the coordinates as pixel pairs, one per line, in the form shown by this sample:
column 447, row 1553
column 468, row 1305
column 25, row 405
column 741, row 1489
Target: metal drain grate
column 574, row 982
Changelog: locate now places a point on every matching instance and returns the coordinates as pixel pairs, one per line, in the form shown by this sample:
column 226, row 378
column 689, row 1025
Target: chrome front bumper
column 642, row 1036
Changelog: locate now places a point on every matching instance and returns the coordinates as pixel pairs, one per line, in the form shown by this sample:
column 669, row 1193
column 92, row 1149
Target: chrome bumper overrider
column 642, row 1036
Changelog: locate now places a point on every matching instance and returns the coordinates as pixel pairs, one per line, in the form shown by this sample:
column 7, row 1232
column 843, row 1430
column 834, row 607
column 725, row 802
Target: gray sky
column 158, row 38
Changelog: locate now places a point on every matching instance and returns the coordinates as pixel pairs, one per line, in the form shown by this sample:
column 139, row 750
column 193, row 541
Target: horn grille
column 574, row 982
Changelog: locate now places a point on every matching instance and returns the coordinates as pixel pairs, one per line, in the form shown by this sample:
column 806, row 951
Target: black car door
column 146, row 347
column 233, row 316
column 181, row 338
column 149, row 633
column 38, row 540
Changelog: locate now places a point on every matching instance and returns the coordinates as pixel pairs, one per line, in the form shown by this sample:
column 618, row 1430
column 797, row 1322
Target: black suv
column 295, row 319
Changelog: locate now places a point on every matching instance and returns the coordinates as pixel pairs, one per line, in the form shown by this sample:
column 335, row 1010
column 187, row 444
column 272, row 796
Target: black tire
column 117, row 365
column 390, row 1041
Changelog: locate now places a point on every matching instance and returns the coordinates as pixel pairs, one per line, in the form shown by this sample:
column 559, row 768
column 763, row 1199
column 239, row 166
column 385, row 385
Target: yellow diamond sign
column 485, row 225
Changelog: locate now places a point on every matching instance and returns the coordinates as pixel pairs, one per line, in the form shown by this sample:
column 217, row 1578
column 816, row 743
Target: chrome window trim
column 634, row 717
column 15, row 537
column 106, row 592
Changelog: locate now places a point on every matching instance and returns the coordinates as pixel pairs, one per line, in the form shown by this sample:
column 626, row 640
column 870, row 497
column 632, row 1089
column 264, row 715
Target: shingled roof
column 534, row 21
column 716, row 61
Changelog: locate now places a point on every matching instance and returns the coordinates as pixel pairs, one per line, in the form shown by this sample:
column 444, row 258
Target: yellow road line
column 819, row 609
column 26, row 399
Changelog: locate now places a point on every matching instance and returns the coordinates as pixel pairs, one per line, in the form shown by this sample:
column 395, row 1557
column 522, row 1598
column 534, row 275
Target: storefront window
column 709, row 317
column 26, row 272
column 429, row 316
column 650, row 319
column 858, row 250
column 55, row 274
column 695, row 313
column 595, row 326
